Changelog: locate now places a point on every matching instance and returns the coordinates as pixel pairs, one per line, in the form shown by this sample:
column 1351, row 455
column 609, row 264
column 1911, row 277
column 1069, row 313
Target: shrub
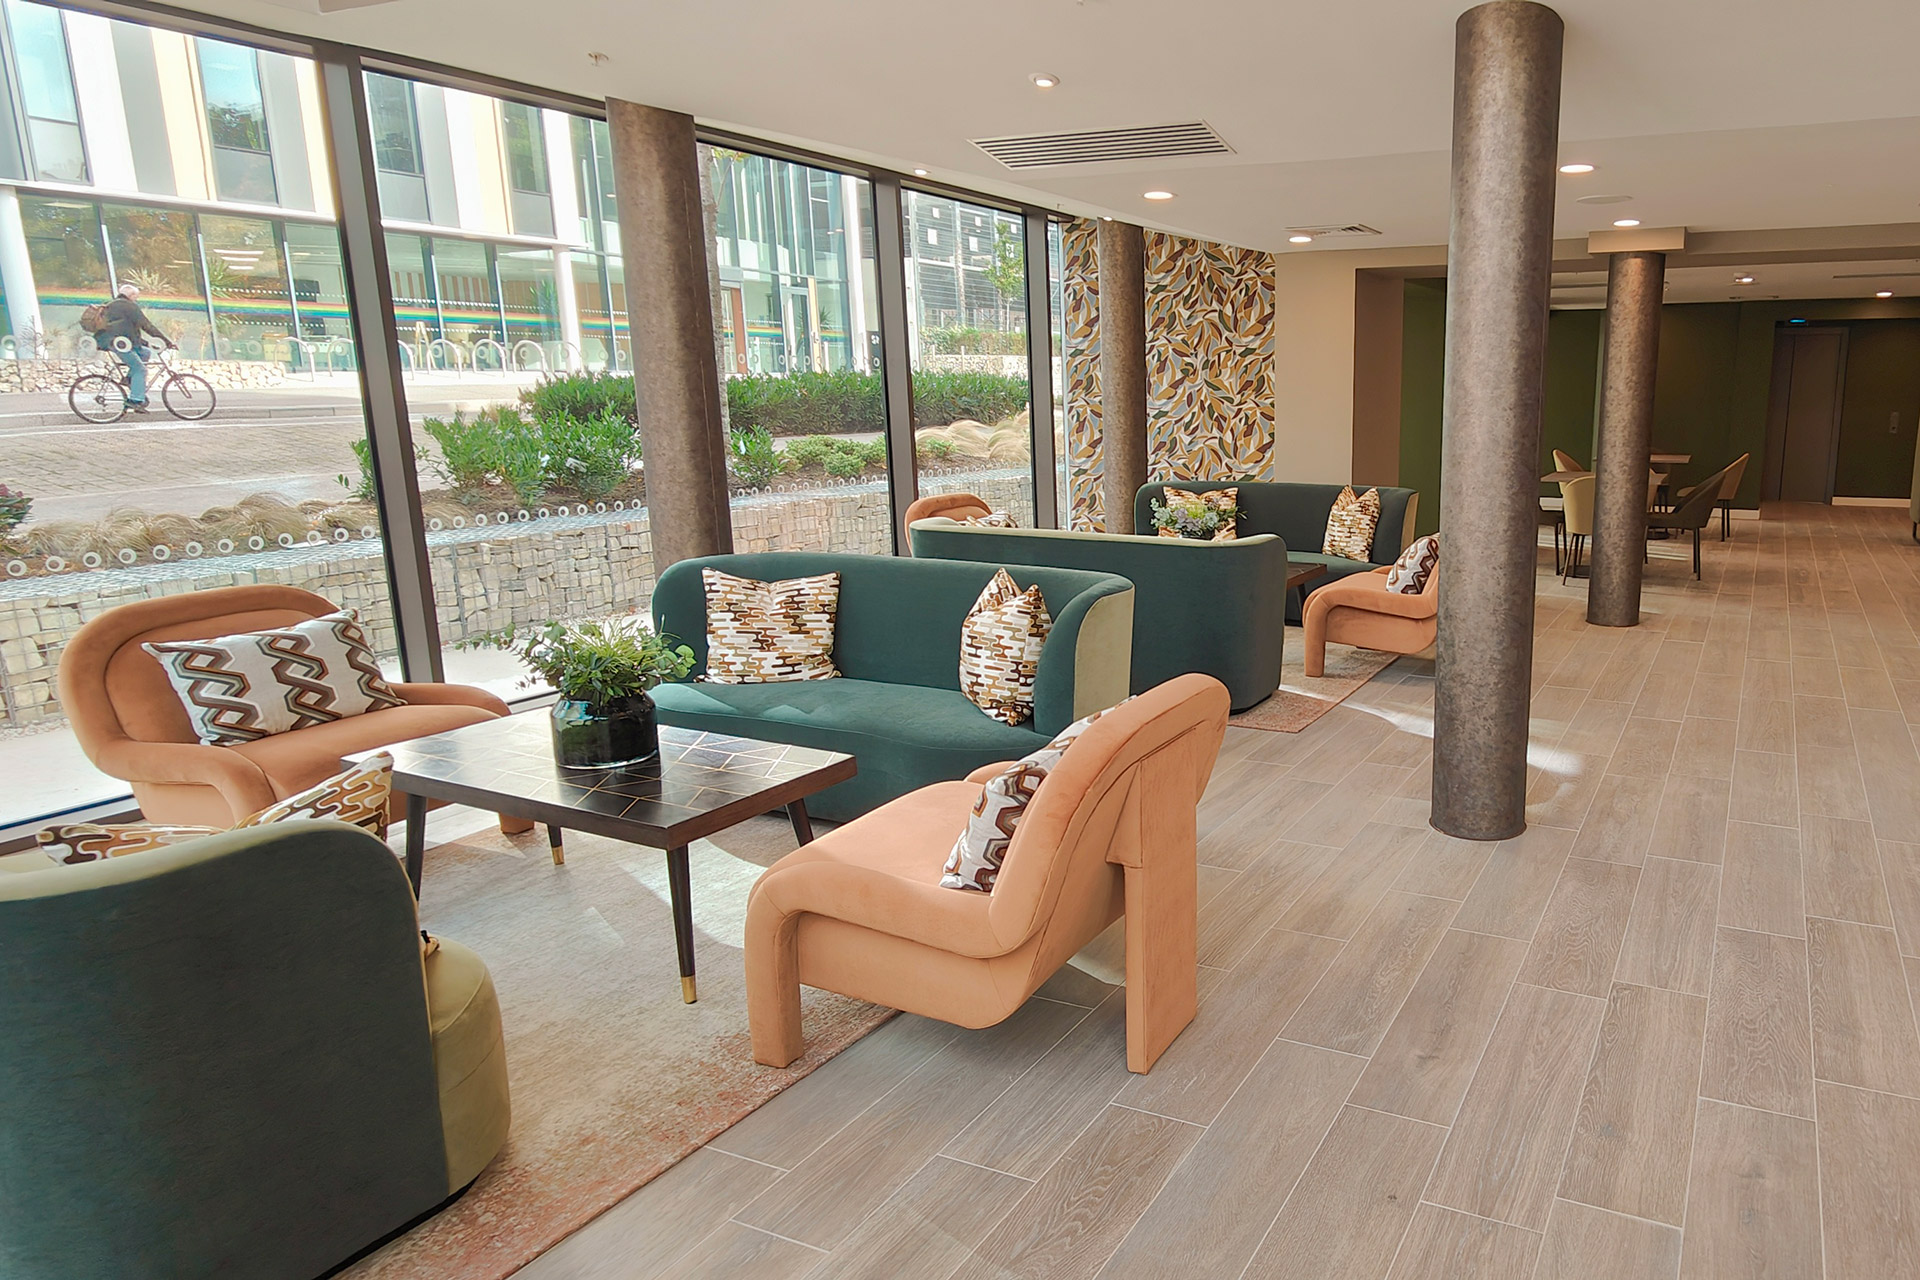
column 363, row 489
column 591, row 456
column 940, row 397
column 468, row 450
column 14, row 506
column 837, row 456
column 755, row 460
column 801, row 404
column 584, row 397
column 934, row 450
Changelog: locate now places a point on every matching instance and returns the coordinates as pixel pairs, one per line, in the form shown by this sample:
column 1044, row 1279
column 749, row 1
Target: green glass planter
column 605, row 735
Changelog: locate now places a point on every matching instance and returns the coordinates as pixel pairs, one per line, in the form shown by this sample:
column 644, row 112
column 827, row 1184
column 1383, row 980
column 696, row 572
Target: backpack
column 94, row 318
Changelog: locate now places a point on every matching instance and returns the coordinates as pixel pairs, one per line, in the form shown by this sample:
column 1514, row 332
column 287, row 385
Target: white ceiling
column 1711, row 114
column 1770, row 281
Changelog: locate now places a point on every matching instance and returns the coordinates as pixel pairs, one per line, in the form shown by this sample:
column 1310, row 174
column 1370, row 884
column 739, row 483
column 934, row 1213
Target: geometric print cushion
column 358, row 796
column 1000, row 646
column 766, row 632
column 992, row 520
column 1416, row 564
column 1350, row 525
column 974, row 864
column 245, row 687
column 1195, row 505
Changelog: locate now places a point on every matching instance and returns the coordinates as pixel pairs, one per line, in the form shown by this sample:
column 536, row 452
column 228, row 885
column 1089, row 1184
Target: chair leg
column 773, row 989
column 1696, row 555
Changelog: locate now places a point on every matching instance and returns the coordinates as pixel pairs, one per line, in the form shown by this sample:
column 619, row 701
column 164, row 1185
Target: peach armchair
column 1360, row 611
column 1110, row 832
column 954, row 506
column 131, row 725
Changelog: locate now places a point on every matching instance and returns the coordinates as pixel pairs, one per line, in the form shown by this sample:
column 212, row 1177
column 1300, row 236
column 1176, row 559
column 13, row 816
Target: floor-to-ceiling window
column 54, row 140
column 966, row 268
column 1057, row 309
column 236, row 121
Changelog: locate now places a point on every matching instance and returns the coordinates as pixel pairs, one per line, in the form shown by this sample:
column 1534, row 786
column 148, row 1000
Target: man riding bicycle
column 125, row 319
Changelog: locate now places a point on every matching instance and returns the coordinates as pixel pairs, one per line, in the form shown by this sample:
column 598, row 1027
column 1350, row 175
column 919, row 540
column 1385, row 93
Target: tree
column 1007, row 272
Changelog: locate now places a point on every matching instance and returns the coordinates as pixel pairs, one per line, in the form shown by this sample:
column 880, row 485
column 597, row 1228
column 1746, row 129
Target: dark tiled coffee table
column 700, row 784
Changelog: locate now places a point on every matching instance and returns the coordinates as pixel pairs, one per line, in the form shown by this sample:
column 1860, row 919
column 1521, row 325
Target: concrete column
column 1506, row 115
column 1631, row 358
column 656, row 178
column 566, row 299
column 16, row 276
column 1121, row 249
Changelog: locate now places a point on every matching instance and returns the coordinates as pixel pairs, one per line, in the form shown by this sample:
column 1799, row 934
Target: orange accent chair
column 861, row 910
column 131, row 725
column 954, row 506
column 1360, row 611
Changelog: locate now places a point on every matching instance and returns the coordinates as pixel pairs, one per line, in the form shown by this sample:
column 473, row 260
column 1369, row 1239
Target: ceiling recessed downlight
column 1300, row 239
column 919, row 173
column 1156, row 195
column 1626, row 222
column 1884, row 293
column 1044, row 80
column 1576, row 168
column 1614, row 199
column 1743, row 279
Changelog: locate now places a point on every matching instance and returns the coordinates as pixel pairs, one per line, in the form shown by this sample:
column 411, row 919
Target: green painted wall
column 1716, row 371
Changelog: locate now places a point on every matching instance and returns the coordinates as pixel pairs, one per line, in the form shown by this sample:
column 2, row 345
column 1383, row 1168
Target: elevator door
column 1809, row 373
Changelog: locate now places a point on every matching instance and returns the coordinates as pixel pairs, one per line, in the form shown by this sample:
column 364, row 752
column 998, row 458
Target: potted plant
column 602, row 672
column 1207, row 516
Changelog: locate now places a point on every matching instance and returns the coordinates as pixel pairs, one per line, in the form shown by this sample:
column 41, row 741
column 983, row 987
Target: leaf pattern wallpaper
column 1209, row 363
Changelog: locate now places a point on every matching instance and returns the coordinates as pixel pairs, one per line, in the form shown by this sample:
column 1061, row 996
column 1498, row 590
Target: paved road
column 293, row 441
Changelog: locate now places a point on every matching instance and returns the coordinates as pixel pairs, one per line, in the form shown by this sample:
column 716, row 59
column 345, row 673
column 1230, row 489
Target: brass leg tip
column 688, row 992
column 559, row 858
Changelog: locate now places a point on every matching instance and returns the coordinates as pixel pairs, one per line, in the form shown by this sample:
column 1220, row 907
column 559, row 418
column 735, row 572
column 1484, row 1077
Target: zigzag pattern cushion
column 1000, row 645
column 978, row 854
column 245, row 687
column 768, row 632
column 1351, row 523
column 1410, row 572
column 992, row 520
column 72, row 843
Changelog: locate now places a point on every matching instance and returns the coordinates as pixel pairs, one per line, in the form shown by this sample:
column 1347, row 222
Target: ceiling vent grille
column 1105, row 146
column 1336, row 229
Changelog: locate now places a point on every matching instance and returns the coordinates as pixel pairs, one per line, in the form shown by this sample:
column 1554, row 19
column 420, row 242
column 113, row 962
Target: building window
column 46, row 91
column 396, row 127
column 526, row 148
column 237, row 122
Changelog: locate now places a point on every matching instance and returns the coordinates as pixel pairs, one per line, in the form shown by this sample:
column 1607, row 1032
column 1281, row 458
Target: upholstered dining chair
column 1576, row 497
column 1729, row 489
column 131, row 724
column 1109, row 832
column 1691, row 516
column 1563, row 461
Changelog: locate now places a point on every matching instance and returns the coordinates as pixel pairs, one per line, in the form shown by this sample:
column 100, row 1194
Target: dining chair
column 1729, row 487
column 1576, row 496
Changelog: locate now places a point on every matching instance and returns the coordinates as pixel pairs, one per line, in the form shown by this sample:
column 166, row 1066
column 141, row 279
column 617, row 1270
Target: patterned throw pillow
column 245, row 687
column 358, row 796
column 1000, row 646
column 766, row 632
column 992, row 520
column 1189, row 505
column 1416, row 564
column 1350, row 526
column 977, row 855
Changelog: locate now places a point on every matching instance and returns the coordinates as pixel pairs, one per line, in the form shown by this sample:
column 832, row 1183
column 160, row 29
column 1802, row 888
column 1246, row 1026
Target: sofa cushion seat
column 866, row 713
column 297, row 760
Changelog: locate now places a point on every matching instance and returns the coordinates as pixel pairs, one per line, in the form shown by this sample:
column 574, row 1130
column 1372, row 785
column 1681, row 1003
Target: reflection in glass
column 46, row 91
column 396, row 129
column 236, row 121
column 320, row 293
column 156, row 250
column 248, row 281
column 469, row 306
column 531, row 299
column 69, row 267
column 966, row 269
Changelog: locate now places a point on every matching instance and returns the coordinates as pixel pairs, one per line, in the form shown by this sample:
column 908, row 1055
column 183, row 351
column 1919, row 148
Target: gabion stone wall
column 486, row 578
column 58, row 375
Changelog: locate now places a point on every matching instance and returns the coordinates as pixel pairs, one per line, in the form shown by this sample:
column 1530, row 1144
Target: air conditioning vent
column 1877, row 275
column 1337, row 229
column 1105, row 146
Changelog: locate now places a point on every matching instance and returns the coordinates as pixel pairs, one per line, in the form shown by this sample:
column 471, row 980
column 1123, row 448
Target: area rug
column 613, row 1078
column 1302, row 699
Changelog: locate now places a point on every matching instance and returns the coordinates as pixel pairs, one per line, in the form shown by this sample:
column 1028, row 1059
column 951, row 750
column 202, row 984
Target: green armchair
column 228, row 1057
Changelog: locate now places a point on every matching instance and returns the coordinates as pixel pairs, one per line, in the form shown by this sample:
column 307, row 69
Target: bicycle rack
column 438, row 344
column 406, row 354
column 500, row 355
column 336, row 342
column 539, row 354
column 300, row 346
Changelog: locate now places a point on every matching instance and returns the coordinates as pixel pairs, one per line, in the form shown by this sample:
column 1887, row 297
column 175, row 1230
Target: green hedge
column 800, row 404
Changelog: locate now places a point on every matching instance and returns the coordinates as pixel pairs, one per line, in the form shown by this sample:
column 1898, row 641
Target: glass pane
column 230, row 76
column 69, row 268
column 469, row 307
column 46, row 78
column 252, row 319
column 155, row 249
column 319, row 297
column 796, row 322
column 596, row 318
column 967, row 320
column 396, row 143
column 1057, row 309
column 526, row 147
column 59, row 155
column 531, row 296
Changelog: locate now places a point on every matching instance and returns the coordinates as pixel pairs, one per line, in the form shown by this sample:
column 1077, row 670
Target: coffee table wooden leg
column 416, row 839
column 553, row 844
column 802, row 825
column 680, row 886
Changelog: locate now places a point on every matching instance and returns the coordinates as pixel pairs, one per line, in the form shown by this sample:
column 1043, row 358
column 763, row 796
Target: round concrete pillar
column 1121, row 250
column 1506, row 119
column 1634, row 285
column 656, row 178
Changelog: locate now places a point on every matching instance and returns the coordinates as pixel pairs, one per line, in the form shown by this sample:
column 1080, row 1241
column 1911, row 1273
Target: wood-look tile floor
column 1668, row 1032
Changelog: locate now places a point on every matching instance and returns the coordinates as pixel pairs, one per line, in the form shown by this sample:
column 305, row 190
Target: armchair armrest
column 988, row 772
column 451, row 695
column 238, row 780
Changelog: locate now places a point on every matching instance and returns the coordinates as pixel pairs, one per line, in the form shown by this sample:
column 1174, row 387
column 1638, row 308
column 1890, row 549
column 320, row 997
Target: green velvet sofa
column 897, row 706
column 1297, row 514
column 227, row 1058
column 1213, row 607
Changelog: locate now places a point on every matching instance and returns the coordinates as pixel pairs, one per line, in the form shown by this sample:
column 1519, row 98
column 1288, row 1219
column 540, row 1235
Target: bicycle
column 99, row 397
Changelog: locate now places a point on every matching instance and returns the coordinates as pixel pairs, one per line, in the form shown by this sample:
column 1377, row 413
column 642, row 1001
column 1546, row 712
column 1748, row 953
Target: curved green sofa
column 227, row 1058
column 1218, row 608
column 897, row 706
